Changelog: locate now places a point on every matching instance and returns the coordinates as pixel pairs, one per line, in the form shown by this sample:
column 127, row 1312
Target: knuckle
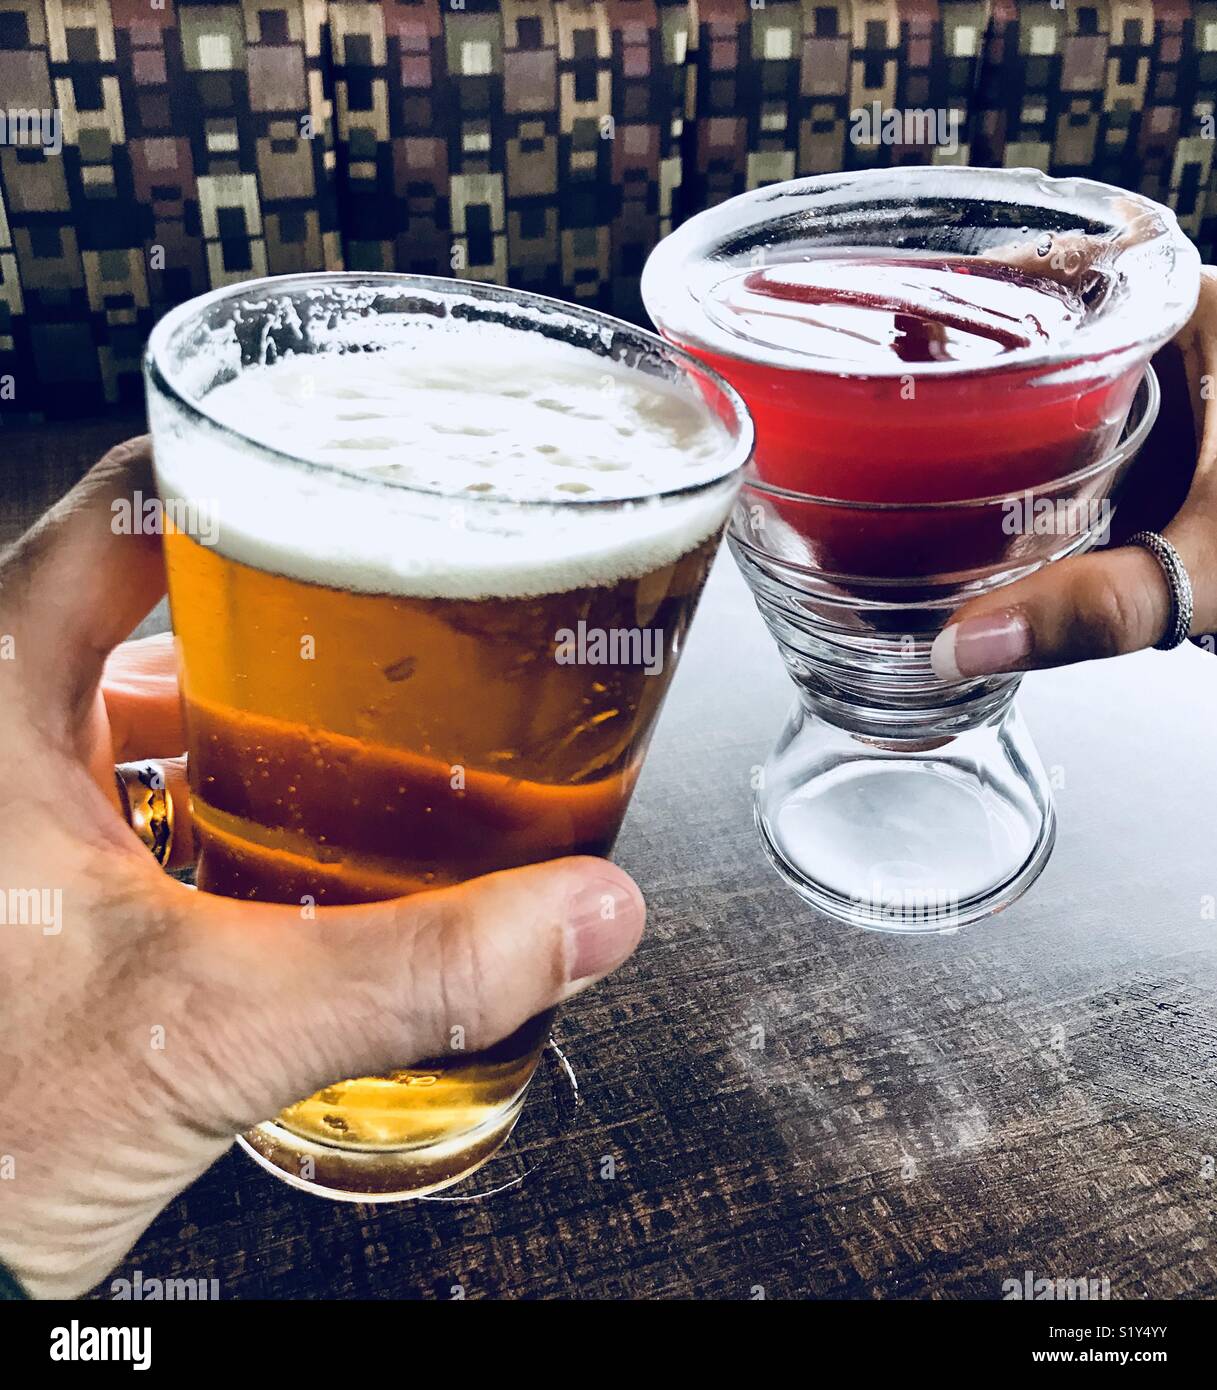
column 449, row 977
column 125, row 467
column 131, row 451
column 1107, row 616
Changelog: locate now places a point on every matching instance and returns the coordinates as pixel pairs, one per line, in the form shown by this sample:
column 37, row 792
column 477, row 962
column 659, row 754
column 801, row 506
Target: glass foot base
column 906, row 836
column 352, row 1175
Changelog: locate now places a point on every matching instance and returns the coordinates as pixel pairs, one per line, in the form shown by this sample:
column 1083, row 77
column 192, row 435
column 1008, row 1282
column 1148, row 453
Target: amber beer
column 462, row 677
column 423, row 742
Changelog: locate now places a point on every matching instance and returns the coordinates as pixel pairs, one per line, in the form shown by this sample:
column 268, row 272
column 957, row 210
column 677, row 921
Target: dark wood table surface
column 774, row 1102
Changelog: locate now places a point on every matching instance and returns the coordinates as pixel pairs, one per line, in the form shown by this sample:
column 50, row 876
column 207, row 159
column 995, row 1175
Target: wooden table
column 814, row 1111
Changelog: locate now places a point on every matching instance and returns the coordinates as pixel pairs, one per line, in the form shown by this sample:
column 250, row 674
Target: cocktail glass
column 883, row 498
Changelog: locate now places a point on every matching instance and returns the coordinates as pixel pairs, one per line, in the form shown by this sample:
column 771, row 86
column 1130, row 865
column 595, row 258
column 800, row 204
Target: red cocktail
column 940, row 365
column 832, row 429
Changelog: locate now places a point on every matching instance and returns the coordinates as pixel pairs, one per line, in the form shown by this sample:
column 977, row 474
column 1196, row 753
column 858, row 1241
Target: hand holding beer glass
column 143, row 1024
column 433, row 548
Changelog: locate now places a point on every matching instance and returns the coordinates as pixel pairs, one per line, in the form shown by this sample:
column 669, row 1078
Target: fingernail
column 604, row 922
column 981, row 646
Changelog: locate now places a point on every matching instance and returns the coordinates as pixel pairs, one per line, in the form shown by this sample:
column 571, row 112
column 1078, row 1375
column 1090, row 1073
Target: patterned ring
column 1180, row 621
column 147, row 805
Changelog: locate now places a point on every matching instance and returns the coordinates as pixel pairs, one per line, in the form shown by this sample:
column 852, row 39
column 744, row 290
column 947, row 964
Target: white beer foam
column 460, row 467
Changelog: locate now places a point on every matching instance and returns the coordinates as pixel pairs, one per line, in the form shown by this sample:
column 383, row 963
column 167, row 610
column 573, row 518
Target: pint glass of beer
column 433, row 549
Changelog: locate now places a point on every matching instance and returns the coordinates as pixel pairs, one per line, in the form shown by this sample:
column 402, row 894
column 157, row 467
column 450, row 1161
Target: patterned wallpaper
column 548, row 143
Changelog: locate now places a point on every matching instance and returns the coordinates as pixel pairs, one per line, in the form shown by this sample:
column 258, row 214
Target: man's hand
column 143, row 1024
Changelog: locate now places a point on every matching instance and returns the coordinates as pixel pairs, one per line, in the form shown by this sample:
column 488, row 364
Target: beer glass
column 433, row 547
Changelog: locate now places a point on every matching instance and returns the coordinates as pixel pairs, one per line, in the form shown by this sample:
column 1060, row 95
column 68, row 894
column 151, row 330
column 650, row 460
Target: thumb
column 288, row 1006
column 1097, row 605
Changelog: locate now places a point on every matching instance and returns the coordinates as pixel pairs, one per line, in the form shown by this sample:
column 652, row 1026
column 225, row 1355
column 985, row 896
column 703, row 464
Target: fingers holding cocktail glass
column 1123, row 599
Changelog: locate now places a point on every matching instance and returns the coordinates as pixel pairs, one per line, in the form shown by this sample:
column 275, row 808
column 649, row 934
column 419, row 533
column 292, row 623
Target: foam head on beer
column 503, row 437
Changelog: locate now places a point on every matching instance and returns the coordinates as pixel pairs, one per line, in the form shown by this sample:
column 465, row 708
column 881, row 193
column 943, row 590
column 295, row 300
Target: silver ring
column 1180, row 622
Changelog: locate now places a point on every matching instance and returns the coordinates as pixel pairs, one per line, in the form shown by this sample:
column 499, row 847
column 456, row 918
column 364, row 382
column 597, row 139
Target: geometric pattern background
column 543, row 143
column 775, row 86
column 1126, row 93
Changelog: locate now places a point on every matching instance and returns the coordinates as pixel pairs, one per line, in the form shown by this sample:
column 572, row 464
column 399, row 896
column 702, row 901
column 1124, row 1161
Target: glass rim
column 668, row 289
column 158, row 374
column 1130, row 442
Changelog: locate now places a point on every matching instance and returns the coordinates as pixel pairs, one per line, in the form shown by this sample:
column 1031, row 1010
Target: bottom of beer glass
column 547, row 1105
column 383, row 1175
column 907, row 836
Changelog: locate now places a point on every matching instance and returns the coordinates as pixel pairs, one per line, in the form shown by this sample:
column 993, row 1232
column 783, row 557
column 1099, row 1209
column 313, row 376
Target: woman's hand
column 1117, row 600
column 143, row 1024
